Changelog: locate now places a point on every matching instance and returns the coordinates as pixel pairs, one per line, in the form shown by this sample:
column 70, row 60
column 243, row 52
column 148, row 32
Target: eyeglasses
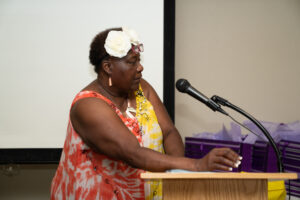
column 137, row 48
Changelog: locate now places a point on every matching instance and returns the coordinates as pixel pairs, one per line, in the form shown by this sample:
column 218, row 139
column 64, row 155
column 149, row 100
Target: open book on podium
column 184, row 185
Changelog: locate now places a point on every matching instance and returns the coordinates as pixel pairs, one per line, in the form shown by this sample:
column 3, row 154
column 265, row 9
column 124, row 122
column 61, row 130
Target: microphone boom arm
column 224, row 102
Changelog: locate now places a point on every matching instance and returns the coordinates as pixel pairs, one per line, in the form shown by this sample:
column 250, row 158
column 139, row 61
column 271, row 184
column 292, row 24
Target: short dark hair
column 97, row 50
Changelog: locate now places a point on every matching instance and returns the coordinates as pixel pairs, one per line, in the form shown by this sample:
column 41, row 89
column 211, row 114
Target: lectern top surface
column 218, row 175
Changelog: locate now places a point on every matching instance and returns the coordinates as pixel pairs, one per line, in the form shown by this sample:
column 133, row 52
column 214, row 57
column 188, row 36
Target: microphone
column 184, row 86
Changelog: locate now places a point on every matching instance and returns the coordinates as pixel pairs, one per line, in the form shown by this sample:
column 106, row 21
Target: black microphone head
column 182, row 85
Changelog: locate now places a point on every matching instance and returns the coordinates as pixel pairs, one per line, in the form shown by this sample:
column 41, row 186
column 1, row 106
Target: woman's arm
column 172, row 141
column 100, row 128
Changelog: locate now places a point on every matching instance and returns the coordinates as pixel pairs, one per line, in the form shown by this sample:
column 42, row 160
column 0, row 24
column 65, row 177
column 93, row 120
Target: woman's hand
column 219, row 159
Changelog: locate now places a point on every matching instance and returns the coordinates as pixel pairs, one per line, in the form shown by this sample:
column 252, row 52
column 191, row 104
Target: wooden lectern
column 230, row 186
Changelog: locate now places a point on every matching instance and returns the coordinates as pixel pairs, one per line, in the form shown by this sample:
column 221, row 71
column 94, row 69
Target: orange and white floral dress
column 85, row 174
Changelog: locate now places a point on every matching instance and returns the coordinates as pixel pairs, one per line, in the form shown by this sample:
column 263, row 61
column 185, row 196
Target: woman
column 118, row 128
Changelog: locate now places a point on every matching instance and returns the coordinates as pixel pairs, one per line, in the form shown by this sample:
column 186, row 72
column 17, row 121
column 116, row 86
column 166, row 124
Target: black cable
column 289, row 189
column 245, row 127
column 224, row 102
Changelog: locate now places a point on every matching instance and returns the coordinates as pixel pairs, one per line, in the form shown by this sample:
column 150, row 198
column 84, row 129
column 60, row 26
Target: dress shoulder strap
column 87, row 94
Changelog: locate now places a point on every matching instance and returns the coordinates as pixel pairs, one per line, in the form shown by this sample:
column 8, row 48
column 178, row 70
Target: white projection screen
column 44, row 60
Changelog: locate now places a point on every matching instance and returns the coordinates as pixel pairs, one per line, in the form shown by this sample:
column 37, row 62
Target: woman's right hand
column 219, row 159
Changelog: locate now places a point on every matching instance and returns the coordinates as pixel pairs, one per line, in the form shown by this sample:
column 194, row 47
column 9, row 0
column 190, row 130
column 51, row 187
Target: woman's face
column 126, row 72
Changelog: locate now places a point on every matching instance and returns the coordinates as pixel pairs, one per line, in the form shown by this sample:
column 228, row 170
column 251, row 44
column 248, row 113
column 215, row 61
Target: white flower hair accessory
column 134, row 38
column 118, row 43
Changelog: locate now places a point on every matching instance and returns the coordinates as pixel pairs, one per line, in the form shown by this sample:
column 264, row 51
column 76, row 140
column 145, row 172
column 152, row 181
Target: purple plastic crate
column 291, row 168
column 290, row 151
column 291, row 144
column 293, row 188
column 258, row 157
column 246, row 153
column 291, row 156
column 263, row 158
column 291, row 161
column 198, row 148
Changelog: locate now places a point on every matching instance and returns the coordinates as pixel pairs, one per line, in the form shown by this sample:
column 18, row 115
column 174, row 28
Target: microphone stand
column 224, row 102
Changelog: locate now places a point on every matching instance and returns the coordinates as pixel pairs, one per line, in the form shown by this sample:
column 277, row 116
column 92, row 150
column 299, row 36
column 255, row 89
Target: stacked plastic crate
column 263, row 158
column 257, row 157
column 198, row 147
column 291, row 161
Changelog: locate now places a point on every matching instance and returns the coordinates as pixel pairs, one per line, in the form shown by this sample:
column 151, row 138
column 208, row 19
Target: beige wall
column 245, row 51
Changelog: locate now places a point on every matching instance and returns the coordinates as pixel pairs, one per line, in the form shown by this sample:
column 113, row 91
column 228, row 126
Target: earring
column 109, row 82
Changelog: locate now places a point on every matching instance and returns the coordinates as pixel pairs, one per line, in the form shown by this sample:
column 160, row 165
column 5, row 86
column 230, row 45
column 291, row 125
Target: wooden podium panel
column 180, row 189
column 229, row 186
